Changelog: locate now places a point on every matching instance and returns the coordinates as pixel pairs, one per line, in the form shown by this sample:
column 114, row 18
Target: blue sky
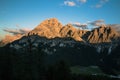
column 15, row 14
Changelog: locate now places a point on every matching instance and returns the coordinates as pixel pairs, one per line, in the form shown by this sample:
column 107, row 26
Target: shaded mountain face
column 55, row 49
column 67, row 49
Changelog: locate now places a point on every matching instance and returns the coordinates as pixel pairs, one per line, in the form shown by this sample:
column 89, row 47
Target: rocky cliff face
column 102, row 34
column 52, row 28
column 70, row 31
column 49, row 28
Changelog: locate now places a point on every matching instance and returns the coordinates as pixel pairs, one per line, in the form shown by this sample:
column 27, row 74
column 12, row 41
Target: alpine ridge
column 52, row 28
column 102, row 34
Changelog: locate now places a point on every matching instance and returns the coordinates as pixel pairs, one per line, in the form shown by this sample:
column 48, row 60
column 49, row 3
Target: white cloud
column 116, row 27
column 69, row 3
column 77, row 24
column 82, row 1
column 97, row 22
column 103, row 1
column 19, row 31
column 74, row 2
column 93, row 24
column 100, row 3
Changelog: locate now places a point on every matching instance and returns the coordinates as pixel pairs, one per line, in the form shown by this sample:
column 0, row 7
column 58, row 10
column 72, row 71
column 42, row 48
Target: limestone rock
column 49, row 28
column 102, row 34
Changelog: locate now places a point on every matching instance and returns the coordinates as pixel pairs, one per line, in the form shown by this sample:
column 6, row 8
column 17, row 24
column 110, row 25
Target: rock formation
column 9, row 39
column 52, row 28
column 70, row 31
column 49, row 28
column 102, row 34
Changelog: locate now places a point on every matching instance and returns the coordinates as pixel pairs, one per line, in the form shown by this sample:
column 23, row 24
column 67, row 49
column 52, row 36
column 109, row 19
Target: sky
column 27, row 14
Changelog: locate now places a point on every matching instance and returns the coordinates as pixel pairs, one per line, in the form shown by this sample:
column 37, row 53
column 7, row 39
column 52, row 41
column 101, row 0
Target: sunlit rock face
column 9, row 39
column 49, row 28
column 52, row 28
column 70, row 31
column 102, row 34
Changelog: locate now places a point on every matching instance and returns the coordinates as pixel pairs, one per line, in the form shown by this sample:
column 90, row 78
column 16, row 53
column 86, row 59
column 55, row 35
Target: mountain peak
column 49, row 28
column 52, row 28
column 52, row 22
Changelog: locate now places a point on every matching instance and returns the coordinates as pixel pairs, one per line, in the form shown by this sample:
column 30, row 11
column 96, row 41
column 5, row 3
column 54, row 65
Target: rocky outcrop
column 70, row 31
column 9, row 39
column 102, row 34
column 52, row 28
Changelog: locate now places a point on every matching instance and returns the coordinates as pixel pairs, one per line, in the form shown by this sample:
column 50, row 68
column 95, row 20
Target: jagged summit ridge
column 52, row 28
column 102, row 34
column 49, row 28
column 70, row 31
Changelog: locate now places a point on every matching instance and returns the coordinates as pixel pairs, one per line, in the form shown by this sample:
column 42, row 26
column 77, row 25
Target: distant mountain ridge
column 52, row 28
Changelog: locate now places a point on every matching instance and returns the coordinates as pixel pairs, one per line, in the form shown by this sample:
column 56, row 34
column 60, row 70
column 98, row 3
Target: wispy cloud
column 86, row 25
column 100, row 3
column 97, row 22
column 82, row 1
column 89, row 24
column 17, row 31
column 77, row 24
column 69, row 3
column 116, row 27
column 74, row 2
